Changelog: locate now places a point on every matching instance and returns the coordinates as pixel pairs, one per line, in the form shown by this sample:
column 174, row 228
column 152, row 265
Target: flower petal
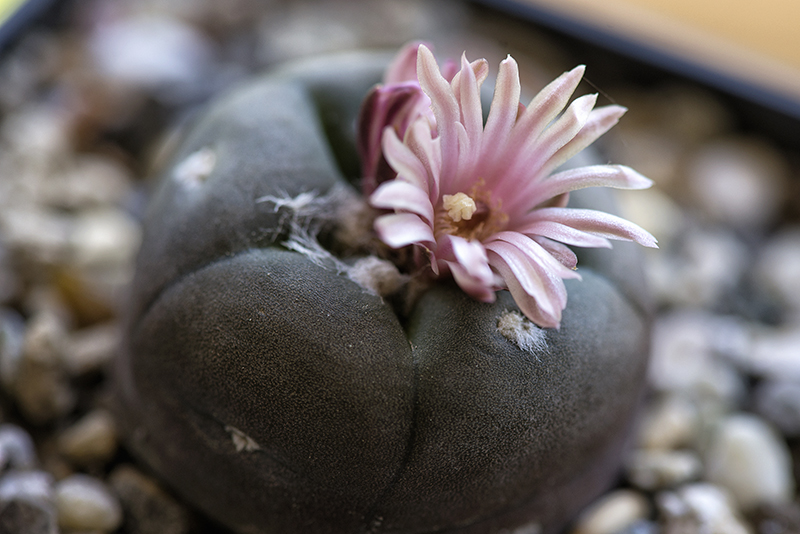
column 403, row 160
column 544, row 107
column 403, row 67
column 399, row 195
column 445, row 108
column 600, row 121
column 471, row 285
column 539, row 293
column 505, row 104
column 401, row 229
column 537, row 150
column 616, row 176
column 593, row 222
column 563, row 233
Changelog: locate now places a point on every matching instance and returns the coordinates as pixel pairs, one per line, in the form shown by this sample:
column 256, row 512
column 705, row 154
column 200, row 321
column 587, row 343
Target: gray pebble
column 779, row 403
column 777, row 270
column 26, row 503
column 148, row 508
column 613, row 512
column 746, row 457
column 17, row 450
column 85, row 503
column 658, row 469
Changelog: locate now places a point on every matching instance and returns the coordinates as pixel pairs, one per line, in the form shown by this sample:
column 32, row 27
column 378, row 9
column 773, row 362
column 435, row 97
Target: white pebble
column 775, row 353
column 739, row 181
column 84, row 503
column 746, row 457
column 613, row 512
column 150, row 52
column 685, row 358
column 777, row 270
column 655, row 469
column 700, row 508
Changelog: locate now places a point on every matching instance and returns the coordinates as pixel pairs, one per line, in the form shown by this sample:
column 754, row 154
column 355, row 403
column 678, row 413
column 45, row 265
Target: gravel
column 85, row 101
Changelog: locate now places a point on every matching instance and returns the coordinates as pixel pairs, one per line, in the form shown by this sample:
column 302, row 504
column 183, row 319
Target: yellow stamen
column 459, row 206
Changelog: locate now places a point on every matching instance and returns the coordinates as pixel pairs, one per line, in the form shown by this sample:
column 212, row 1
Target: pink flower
column 481, row 199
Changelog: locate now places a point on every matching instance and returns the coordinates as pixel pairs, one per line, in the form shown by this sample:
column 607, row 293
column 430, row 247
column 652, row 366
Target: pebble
column 90, row 181
column 614, row 512
column 84, row 503
column 104, row 237
column 777, row 269
column 40, row 386
column 686, row 358
column 659, row 469
column 149, row 52
column 746, row 457
column 779, row 403
column 777, row 518
column 668, row 423
column 148, row 508
column 91, row 441
column 91, row 349
column 699, row 508
column 12, row 340
column 17, row 450
column 739, row 181
column 26, row 503
column 774, row 353
column 705, row 265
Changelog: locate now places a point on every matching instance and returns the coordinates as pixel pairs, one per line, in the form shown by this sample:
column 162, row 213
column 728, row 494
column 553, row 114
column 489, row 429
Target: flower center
column 459, row 206
column 469, row 216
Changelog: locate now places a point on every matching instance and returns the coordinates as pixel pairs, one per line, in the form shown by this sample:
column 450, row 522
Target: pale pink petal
column 597, row 223
column 533, row 194
column 563, row 233
column 536, row 151
column 401, row 229
column 544, row 107
column 445, row 108
column 403, row 67
column 470, row 103
column 426, row 150
column 403, row 196
column 532, row 250
column 505, row 106
column 540, row 295
column 403, row 160
column 600, row 121
column 559, row 251
column 471, row 255
column 471, row 285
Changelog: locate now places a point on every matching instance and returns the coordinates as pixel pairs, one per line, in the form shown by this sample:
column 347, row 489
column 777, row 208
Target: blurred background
column 92, row 93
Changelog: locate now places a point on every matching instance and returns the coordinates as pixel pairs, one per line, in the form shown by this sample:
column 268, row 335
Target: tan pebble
column 85, row 503
column 613, row 513
column 91, row 349
column 91, row 440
